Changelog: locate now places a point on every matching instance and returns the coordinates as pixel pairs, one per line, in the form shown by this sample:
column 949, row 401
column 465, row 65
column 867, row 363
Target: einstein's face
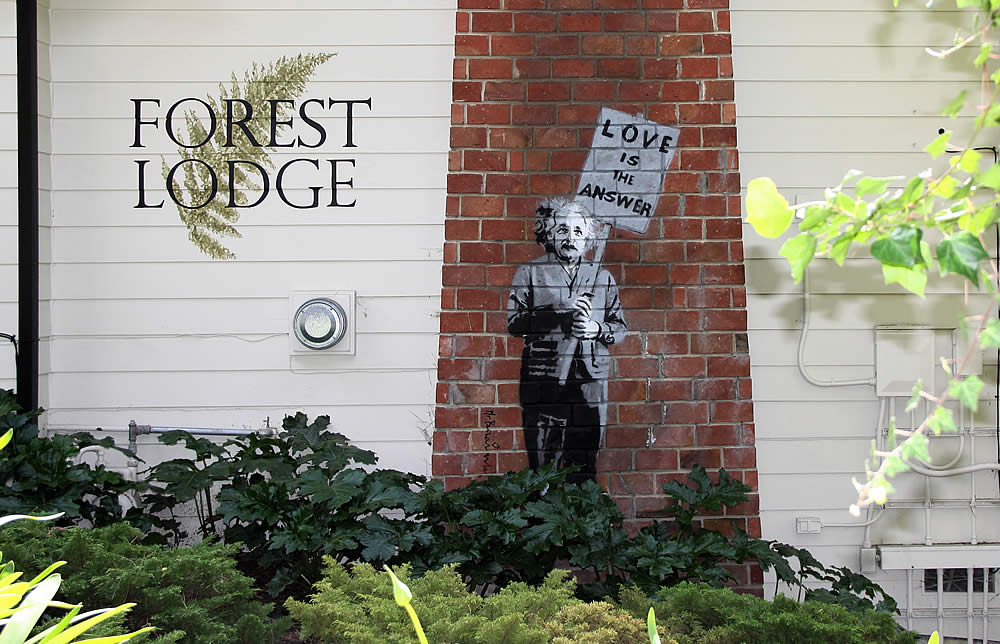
column 570, row 236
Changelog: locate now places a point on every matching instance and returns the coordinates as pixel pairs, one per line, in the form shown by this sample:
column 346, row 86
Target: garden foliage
column 191, row 594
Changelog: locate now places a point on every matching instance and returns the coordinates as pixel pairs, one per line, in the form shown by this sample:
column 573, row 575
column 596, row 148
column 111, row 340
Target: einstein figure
column 567, row 310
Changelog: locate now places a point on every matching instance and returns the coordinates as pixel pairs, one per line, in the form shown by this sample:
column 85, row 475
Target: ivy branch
column 960, row 203
column 206, row 178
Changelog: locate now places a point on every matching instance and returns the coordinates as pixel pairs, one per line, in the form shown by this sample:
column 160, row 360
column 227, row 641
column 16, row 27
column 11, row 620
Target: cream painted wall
column 822, row 88
column 144, row 326
column 8, row 188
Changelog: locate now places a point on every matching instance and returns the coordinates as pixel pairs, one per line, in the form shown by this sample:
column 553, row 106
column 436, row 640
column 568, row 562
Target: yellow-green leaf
column 912, row 279
column 767, row 210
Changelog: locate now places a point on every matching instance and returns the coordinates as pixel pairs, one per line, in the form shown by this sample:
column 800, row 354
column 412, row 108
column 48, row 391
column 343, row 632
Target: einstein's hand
column 584, row 328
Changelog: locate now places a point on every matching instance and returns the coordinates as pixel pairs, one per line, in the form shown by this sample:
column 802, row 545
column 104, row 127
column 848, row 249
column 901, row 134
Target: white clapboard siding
column 99, row 63
column 145, row 326
column 376, row 207
column 110, row 99
column 822, row 88
column 8, row 191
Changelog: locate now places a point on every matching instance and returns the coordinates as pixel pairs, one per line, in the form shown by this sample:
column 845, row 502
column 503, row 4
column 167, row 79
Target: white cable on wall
column 802, row 346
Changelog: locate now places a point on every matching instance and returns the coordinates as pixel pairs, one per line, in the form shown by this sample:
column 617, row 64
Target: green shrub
column 192, row 593
column 694, row 613
column 39, row 476
column 358, row 607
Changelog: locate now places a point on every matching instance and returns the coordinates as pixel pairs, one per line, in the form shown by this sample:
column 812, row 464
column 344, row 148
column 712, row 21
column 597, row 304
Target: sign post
column 621, row 183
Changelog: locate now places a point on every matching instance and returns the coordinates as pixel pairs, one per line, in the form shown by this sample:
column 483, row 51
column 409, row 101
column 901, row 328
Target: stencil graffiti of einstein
column 566, row 308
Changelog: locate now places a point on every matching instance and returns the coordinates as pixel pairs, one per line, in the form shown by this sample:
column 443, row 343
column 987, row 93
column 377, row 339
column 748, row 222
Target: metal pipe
column 972, row 487
column 968, row 603
column 27, row 203
column 968, row 469
column 213, row 431
column 909, row 599
column 940, row 600
column 986, row 606
column 927, row 512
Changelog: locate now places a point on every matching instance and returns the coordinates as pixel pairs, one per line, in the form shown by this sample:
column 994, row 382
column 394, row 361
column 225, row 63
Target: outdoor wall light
column 320, row 323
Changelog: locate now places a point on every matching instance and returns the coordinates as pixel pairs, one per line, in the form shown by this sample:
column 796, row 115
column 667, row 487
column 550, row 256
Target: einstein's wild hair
column 549, row 211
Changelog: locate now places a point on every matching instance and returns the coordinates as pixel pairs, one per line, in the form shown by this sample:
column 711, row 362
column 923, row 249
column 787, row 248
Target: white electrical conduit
column 961, row 443
column 802, row 346
column 869, row 520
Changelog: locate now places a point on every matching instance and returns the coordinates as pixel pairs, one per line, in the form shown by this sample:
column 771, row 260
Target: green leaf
column 990, row 178
column 989, row 118
column 942, row 420
column 984, row 54
column 937, row 147
column 915, row 448
column 6, row 438
column 872, row 185
column 767, row 210
column 956, row 105
column 990, row 337
column 654, row 637
column 918, row 387
column 912, row 279
column 966, row 390
column 838, row 252
column 961, row 253
column 967, row 161
column 900, row 248
column 799, row 251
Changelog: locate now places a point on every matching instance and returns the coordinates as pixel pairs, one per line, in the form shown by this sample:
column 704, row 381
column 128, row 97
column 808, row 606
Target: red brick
column 712, row 343
column 733, row 366
column 696, row 67
column 722, row 18
column 449, row 369
column 462, row 20
column 481, row 206
column 662, row 251
column 719, row 136
column 645, row 274
column 667, row 343
column 485, row 160
column 624, row 22
column 459, row 275
column 490, row 68
column 603, row 45
column 446, row 417
column 579, row 22
column 627, row 390
column 509, row 137
column 732, row 411
column 616, row 4
column 708, row 251
column 556, row 137
column 718, row 44
column 481, row 253
column 697, row 21
column 640, row 413
column 618, row 436
column 534, row 22
column 503, row 370
column 725, row 274
column 618, row 68
column 473, row 346
column 639, row 91
column 466, row 45
column 637, row 367
column 700, row 113
column 459, row 69
column 707, row 458
column 570, row 160
column 662, row 21
column 461, row 229
column 504, row 91
column 663, row 4
column 534, row 114
column 683, row 366
column 686, row 413
column 468, row 137
column 716, row 389
column 697, row 159
column 726, row 67
column 546, row 91
column 573, row 68
column 499, row 439
column 640, row 45
column 461, row 322
column 717, row 435
column 552, row 184
column 525, row 4
column 708, row 4
column 676, row 436
column 659, row 68
column 533, row 68
column 740, row 457
column 506, row 184
column 478, row 299
column 557, row 45
column 670, row 390
column 680, row 44
column 593, row 91
column 512, row 45
column 684, row 274
column 680, row 90
column 656, row 459
column 479, row 4
column 501, row 21
column 489, row 114
column 470, row 394
column 746, row 391
column 458, row 183
column 503, row 229
column 446, row 464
